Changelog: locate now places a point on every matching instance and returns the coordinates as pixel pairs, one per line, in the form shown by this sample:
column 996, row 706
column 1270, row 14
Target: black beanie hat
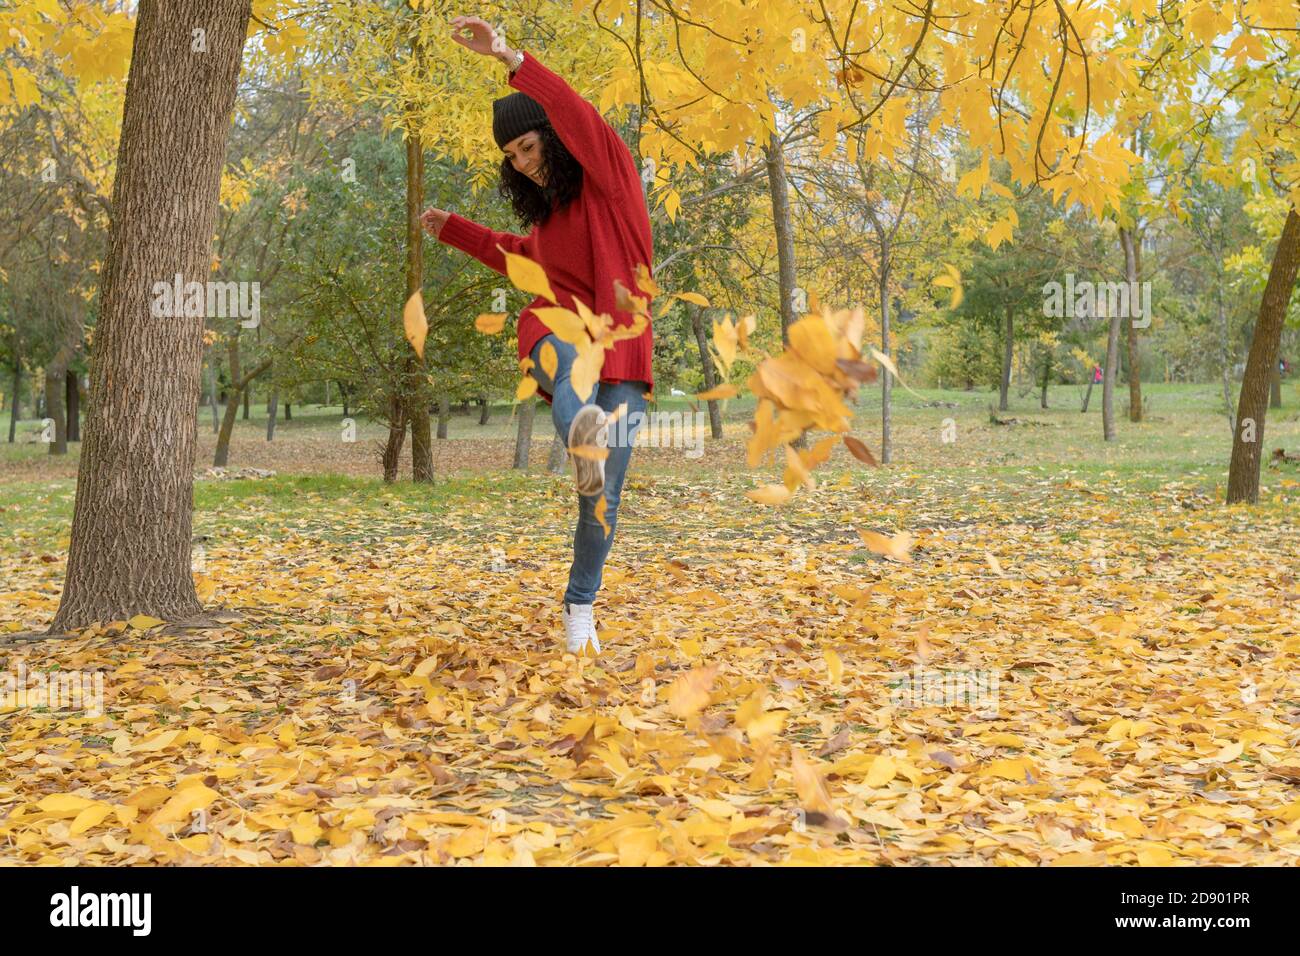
column 514, row 115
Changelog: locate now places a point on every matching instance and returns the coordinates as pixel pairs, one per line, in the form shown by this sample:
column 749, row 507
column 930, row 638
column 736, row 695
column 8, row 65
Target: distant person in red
column 571, row 178
column 1096, row 375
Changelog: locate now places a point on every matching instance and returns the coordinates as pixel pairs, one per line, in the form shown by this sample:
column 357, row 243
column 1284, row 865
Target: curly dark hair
column 533, row 204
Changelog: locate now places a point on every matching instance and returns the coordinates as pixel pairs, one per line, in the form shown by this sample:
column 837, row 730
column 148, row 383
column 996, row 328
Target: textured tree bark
column 72, row 406
column 1132, row 268
column 1252, row 406
column 706, row 362
column 132, row 521
column 524, row 434
column 1275, row 387
column 1008, row 346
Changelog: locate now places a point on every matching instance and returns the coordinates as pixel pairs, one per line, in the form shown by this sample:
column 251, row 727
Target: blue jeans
column 590, row 543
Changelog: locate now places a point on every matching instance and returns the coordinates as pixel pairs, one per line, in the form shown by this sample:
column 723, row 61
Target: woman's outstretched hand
column 482, row 39
column 433, row 220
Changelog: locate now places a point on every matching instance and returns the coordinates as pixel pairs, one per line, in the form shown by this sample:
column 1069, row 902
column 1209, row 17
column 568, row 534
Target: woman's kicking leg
column 590, row 542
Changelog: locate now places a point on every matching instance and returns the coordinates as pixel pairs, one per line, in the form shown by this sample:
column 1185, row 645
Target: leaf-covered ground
column 393, row 692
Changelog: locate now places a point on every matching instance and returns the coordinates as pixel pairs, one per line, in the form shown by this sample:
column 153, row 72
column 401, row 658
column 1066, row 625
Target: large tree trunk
column 1252, row 407
column 485, row 410
column 14, row 406
column 706, row 362
column 524, row 435
column 132, row 521
column 1128, row 241
column 1008, row 347
column 780, row 190
column 1275, row 387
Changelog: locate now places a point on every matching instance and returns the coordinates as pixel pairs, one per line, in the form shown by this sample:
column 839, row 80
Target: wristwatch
column 517, row 62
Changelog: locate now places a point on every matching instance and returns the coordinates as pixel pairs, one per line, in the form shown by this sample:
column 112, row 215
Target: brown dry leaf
column 860, row 451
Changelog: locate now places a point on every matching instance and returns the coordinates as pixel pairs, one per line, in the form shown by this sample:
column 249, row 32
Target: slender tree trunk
column 344, row 392
column 221, row 456
column 14, row 406
column 485, row 410
column 781, row 218
column 706, row 362
column 886, row 379
column 1132, row 268
column 415, row 393
column 132, row 521
column 248, row 398
column 524, row 435
column 1252, row 407
column 558, row 457
column 272, row 408
column 1225, row 354
column 212, row 392
column 1008, row 346
column 55, row 386
column 1087, row 396
column 1109, row 374
column 392, row 455
column 72, row 407
column 1047, row 376
column 288, row 412
column 444, row 411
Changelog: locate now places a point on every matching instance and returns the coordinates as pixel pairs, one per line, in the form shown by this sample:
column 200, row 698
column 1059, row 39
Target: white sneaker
column 589, row 428
column 579, row 629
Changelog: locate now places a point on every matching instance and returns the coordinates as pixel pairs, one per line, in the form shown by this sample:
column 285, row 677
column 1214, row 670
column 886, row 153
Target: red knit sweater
column 598, row 237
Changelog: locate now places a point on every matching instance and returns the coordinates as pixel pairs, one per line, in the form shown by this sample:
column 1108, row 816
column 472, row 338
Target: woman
column 569, row 176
